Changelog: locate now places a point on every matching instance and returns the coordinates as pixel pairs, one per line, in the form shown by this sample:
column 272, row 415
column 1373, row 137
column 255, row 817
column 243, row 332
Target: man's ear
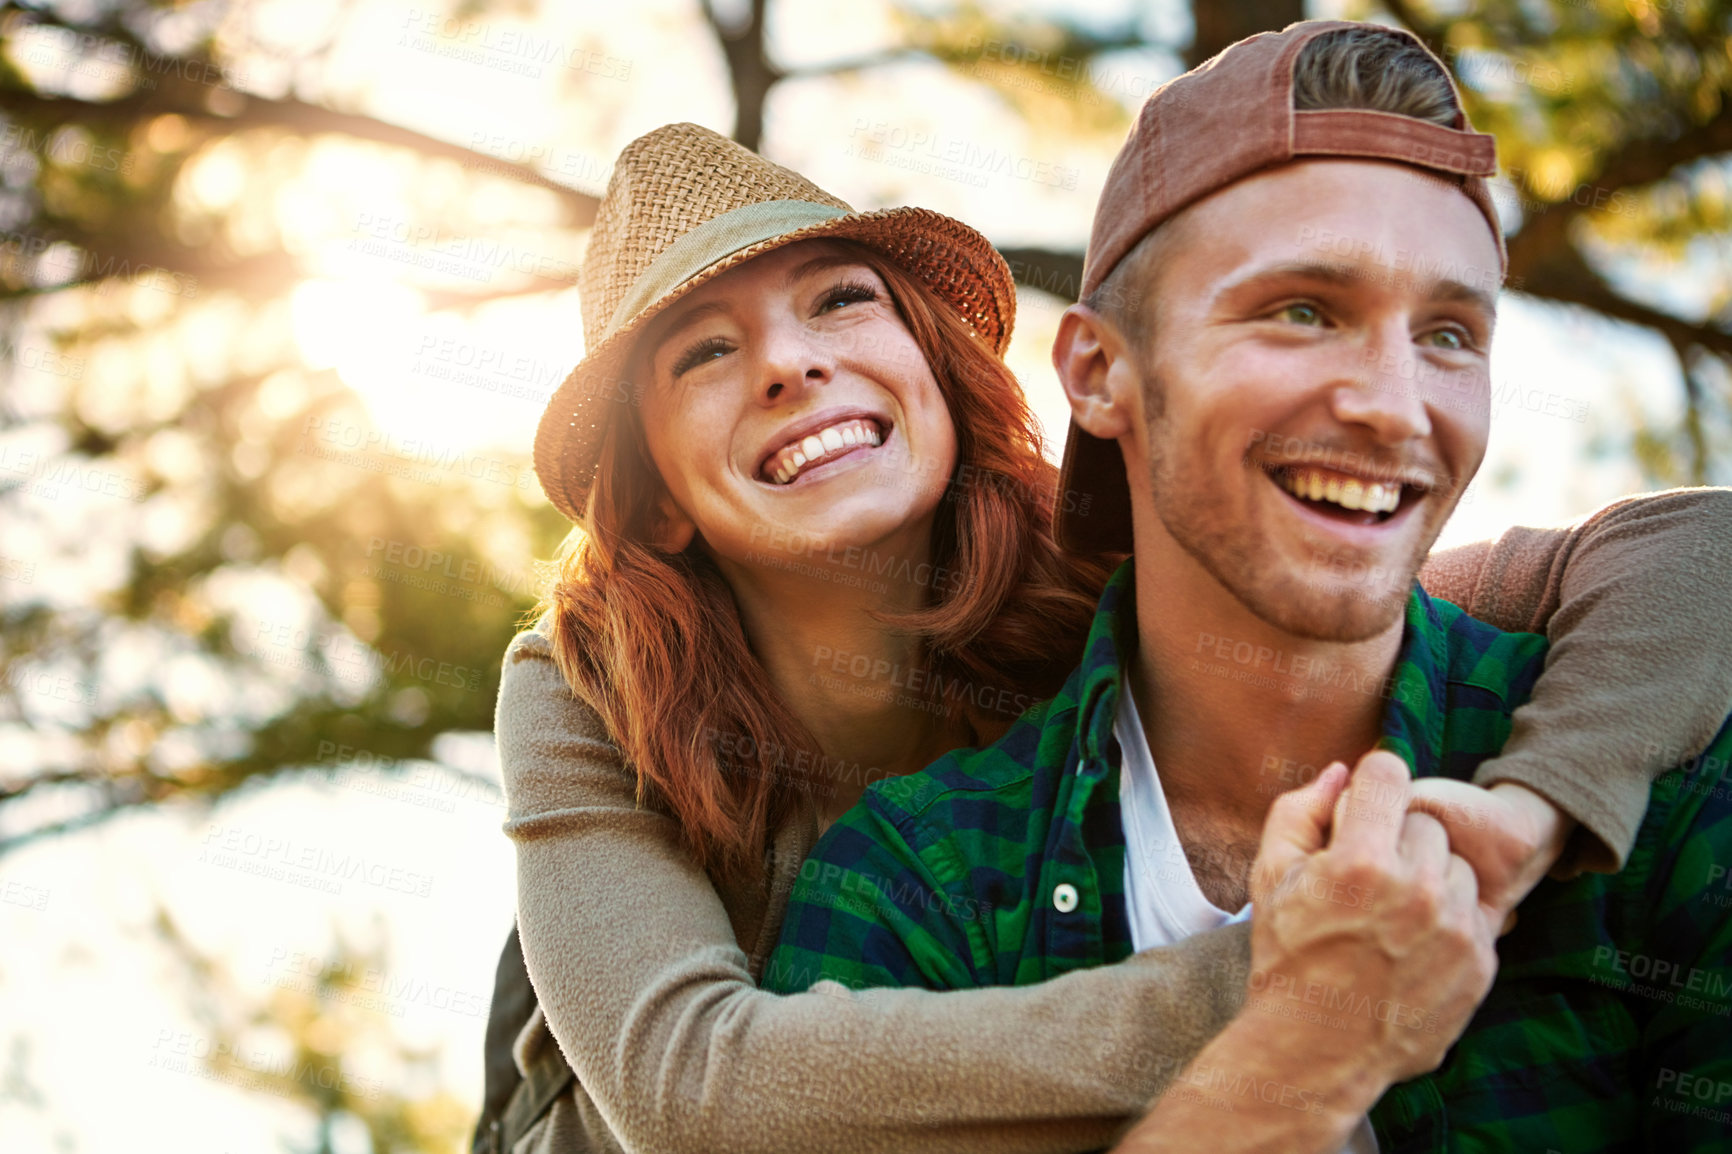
column 1092, row 358
column 673, row 529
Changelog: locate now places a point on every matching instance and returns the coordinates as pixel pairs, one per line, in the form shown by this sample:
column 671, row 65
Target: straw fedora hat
column 686, row 204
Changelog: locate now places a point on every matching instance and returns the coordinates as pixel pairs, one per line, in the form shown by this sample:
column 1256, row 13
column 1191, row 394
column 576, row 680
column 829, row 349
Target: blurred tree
column 143, row 282
column 322, row 1040
column 171, row 433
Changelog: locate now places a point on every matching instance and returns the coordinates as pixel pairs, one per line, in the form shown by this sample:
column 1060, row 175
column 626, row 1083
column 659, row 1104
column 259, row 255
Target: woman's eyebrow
column 817, row 263
column 683, row 319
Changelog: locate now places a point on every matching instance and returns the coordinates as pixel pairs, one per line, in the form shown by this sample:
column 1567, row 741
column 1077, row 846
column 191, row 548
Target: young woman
column 815, row 551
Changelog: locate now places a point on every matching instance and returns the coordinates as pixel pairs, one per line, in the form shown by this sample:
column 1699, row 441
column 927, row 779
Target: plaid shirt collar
column 1416, row 692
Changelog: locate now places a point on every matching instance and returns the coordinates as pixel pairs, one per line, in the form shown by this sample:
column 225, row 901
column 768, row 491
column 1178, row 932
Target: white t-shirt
column 1162, row 897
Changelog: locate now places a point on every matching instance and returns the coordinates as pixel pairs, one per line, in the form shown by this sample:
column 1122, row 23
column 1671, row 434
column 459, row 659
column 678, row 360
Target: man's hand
column 1370, row 950
column 1380, row 914
column 1509, row 834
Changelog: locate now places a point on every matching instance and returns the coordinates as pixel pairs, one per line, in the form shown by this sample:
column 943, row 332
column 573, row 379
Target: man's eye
column 1300, row 314
column 1450, row 338
column 705, row 350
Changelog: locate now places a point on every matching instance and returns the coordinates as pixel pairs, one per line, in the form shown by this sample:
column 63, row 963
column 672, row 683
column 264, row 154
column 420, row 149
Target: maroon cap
column 1227, row 118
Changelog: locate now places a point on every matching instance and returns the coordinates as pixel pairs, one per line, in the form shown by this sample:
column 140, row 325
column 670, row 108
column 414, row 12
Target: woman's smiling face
column 789, row 401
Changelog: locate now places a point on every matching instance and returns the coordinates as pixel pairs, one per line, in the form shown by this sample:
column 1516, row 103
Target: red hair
column 653, row 640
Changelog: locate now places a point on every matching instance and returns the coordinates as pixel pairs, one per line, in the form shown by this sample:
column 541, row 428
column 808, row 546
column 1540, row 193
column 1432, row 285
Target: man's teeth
column 1348, row 492
column 826, row 442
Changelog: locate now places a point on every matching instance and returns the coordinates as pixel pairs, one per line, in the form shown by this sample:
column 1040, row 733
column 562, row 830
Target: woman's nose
column 793, row 361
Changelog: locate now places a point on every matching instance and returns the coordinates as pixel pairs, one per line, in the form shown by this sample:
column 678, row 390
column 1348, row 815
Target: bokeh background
column 284, row 285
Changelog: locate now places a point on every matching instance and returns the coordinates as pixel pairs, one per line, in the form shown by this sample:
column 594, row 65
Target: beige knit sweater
column 645, row 968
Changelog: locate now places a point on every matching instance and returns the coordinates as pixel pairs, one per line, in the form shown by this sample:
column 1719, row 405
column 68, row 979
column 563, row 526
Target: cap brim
column 1093, row 511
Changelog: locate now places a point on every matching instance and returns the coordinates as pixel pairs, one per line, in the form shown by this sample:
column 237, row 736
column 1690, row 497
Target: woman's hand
column 1509, row 834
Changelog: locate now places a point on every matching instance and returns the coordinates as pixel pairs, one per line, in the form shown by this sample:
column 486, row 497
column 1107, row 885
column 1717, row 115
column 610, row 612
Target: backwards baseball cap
column 1224, row 120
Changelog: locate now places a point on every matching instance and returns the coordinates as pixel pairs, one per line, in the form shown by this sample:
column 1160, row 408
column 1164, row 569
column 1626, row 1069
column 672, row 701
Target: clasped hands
column 1377, row 901
column 1376, row 889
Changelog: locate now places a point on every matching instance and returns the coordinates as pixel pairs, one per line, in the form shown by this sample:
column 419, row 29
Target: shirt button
column 1064, row 897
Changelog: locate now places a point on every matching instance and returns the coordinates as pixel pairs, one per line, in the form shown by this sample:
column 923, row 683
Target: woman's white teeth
column 826, row 442
column 1348, row 492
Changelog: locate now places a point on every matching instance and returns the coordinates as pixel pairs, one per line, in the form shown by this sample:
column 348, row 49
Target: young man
column 1290, row 299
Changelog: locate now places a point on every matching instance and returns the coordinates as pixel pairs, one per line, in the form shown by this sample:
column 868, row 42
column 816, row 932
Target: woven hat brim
column 958, row 263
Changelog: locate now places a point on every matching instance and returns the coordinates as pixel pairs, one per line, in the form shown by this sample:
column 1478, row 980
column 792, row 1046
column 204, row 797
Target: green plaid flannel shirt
column 1608, row 1027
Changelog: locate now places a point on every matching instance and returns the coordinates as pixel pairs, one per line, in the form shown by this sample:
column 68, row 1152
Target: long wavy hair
column 652, row 640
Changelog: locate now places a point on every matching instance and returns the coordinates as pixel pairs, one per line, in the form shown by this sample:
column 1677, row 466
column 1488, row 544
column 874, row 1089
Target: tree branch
column 858, row 64
column 296, row 116
column 1565, row 277
column 1058, row 273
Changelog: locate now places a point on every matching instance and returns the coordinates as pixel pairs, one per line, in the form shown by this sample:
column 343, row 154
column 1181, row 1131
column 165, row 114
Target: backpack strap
column 548, row 1077
column 512, row 1103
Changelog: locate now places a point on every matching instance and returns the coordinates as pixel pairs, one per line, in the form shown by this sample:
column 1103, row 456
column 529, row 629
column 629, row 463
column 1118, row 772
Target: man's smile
column 1350, row 502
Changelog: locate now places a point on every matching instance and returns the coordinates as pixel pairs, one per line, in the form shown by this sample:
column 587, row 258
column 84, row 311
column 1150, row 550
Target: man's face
column 1322, row 343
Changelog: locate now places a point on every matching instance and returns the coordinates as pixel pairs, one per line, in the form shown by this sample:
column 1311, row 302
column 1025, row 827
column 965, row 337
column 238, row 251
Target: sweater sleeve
column 651, row 1000
column 1636, row 599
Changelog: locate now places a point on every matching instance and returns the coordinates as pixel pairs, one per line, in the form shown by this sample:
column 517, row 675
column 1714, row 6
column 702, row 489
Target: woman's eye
column 1300, row 314
column 700, row 353
column 844, row 294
